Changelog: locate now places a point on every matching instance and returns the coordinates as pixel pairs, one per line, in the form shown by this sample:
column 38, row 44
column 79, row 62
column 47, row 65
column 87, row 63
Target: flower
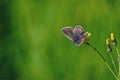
column 109, row 49
column 107, row 42
column 88, row 38
column 113, row 39
column 89, row 34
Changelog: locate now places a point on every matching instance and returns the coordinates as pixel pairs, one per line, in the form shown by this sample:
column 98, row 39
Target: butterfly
column 76, row 35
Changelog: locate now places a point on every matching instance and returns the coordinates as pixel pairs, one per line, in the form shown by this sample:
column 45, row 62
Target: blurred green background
column 32, row 46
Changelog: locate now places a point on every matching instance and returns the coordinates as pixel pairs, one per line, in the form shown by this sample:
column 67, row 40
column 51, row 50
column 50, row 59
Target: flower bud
column 109, row 49
column 88, row 37
column 113, row 39
column 89, row 34
column 107, row 42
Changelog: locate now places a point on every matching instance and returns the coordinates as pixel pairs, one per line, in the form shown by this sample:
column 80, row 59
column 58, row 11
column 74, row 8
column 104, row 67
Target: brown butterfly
column 77, row 35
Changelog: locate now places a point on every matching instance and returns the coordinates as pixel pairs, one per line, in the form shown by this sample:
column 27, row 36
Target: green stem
column 118, row 61
column 119, row 66
column 111, row 70
column 117, row 50
column 114, row 64
column 95, row 49
column 97, row 52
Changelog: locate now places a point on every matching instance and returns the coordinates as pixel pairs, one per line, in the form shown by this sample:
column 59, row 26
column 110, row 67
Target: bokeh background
column 32, row 46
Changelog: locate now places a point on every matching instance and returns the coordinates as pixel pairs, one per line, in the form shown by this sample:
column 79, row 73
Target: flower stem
column 114, row 64
column 97, row 52
column 95, row 49
column 119, row 66
column 117, row 50
column 118, row 61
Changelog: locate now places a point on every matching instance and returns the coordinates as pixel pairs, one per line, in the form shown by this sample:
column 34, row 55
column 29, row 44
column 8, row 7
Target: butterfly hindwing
column 79, row 42
column 81, row 39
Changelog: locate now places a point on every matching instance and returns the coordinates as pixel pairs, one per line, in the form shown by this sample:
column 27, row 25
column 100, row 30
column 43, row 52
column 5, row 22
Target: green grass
column 32, row 46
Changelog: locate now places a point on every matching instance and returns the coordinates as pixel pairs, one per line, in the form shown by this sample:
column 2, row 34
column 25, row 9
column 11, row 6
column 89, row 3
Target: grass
column 33, row 47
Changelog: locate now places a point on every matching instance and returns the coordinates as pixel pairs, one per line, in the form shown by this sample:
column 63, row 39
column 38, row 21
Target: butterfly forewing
column 78, row 30
column 68, row 32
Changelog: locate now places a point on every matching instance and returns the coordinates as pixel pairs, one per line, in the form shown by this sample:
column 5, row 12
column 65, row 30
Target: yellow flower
column 107, row 42
column 112, row 36
column 89, row 34
column 109, row 49
column 88, row 37
column 114, row 42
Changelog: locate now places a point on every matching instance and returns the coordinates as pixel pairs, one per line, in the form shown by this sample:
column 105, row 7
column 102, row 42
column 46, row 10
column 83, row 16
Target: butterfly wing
column 79, row 42
column 78, row 30
column 82, row 39
column 68, row 32
column 79, row 35
column 85, row 35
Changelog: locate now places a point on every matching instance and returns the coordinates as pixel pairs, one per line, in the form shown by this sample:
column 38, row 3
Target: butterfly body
column 78, row 35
